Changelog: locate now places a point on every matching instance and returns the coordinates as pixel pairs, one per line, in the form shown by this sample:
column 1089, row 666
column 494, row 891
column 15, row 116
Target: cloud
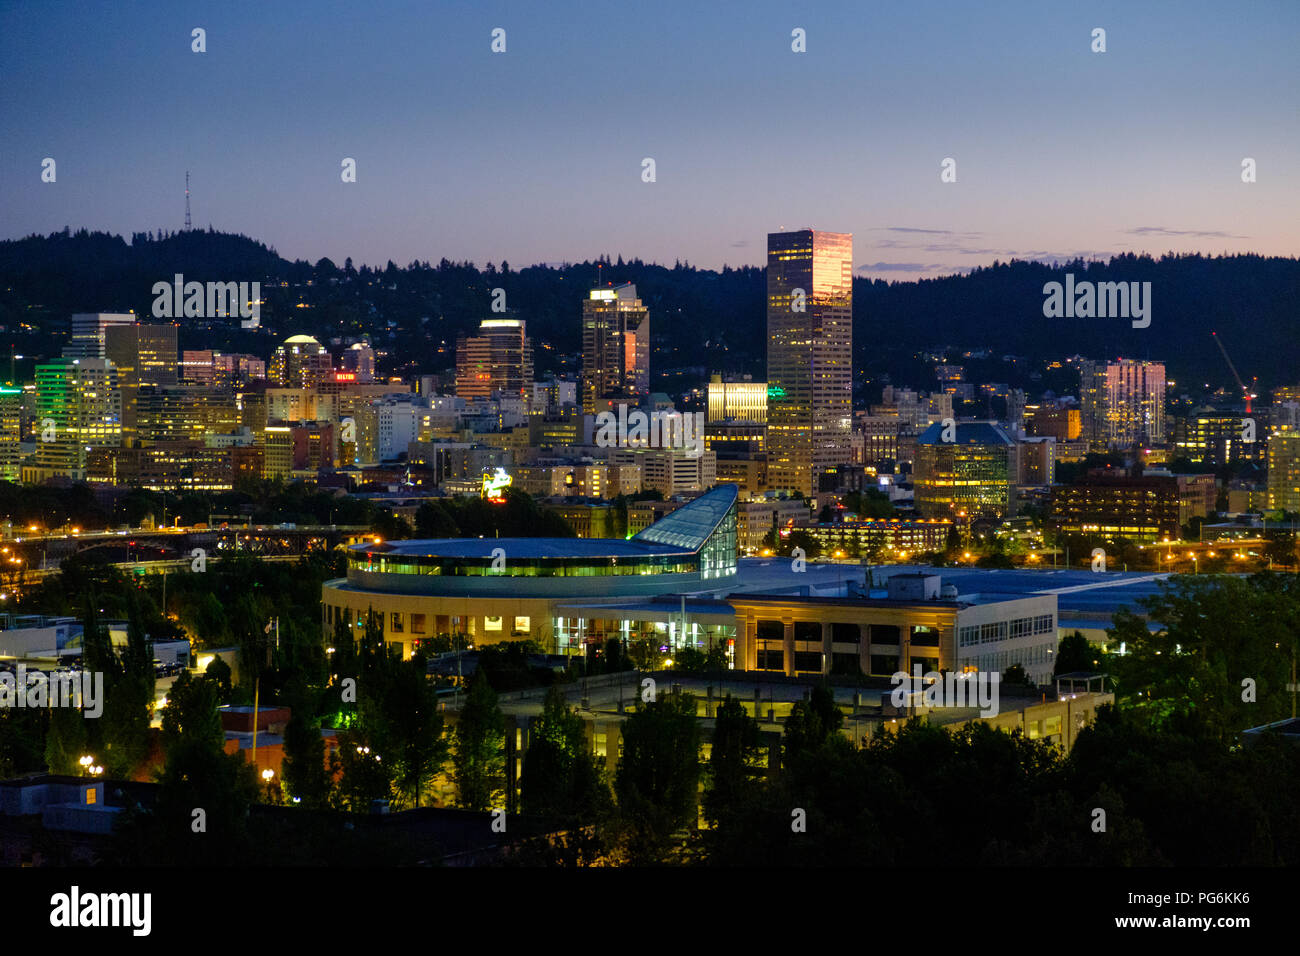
column 904, row 267
column 740, row 244
column 932, row 232
column 1196, row 233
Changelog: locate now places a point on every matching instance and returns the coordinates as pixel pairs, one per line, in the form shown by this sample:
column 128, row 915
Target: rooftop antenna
column 187, row 200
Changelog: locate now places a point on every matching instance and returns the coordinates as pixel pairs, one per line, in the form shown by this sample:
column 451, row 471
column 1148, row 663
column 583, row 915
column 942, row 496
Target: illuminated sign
column 775, row 391
column 495, row 484
column 345, row 376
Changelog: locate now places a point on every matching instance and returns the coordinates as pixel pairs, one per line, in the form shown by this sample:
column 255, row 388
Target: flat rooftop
column 1081, row 595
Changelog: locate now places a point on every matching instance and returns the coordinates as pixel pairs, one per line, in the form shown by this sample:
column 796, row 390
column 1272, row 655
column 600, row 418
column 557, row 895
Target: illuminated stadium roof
column 690, row 526
column 694, row 545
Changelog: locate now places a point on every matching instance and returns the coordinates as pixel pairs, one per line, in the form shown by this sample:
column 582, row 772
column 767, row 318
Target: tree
column 413, row 729
column 560, row 778
column 1221, row 657
column 66, row 741
column 479, row 759
column 736, row 740
column 811, row 722
column 1075, row 653
column 120, row 737
column 870, row 503
column 433, row 521
column 218, row 671
column 1016, row 675
column 304, row 773
column 657, row 777
column 191, row 714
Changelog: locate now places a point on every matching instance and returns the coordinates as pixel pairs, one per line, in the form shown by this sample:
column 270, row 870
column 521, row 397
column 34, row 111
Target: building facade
column 972, row 474
column 809, row 356
column 615, row 349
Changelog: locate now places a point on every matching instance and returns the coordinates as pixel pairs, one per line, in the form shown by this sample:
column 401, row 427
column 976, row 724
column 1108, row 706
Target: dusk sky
column 534, row 155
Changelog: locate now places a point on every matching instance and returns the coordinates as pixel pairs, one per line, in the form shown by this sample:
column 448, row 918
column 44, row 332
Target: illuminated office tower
column 183, row 413
column 1123, row 403
column 359, row 359
column 809, row 356
column 737, row 401
column 78, row 409
column 301, row 362
column 967, row 473
column 144, row 355
column 498, row 359
column 88, row 330
column 11, row 432
column 615, row 348
column 198, row 367
column 1284, row 471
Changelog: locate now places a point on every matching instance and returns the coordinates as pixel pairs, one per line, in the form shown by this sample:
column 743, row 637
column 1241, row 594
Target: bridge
column 44, row 552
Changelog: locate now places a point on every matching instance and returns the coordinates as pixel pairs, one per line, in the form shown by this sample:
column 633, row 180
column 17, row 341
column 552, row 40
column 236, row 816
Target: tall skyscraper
column 498, row 359
column 1123, row 403
column 144, row 355
column 809, row 356
column 615, row 348
column 359, row 359
column 78, row 408
column 1284, row 471
column 301, row 362
column 11, row 432
column 88, row 330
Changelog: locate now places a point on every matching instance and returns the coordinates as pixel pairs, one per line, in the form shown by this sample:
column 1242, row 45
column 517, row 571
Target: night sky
column 535, row 155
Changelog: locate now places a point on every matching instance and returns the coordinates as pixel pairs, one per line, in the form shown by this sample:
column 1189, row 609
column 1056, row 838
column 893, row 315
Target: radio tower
column 187, row 199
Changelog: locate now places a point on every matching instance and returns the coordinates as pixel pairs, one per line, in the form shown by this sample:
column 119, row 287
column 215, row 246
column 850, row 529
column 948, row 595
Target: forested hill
column 701, row 319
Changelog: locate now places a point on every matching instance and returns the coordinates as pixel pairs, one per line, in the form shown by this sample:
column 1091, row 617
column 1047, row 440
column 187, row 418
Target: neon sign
column 495, row 484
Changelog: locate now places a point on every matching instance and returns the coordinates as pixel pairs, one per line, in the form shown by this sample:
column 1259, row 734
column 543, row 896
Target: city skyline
column 1081, row 165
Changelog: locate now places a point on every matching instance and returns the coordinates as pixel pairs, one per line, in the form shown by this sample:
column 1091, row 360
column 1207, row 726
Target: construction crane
column 1240, row 384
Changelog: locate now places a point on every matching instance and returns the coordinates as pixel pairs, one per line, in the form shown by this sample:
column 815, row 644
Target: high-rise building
column 737, row 401
column 615, row 348
column 359, row 359
column 1123, row 403
column 498, row 359
column 970, row 474
column 11, row 432
column 1284, row 471
column 198, row 367
column 88, row 329
column 670, row 471
column 144, row 355
column 1209, row 436
column 78, row 408
column 301, row 362
column 183, row 413
column 809, row 355
column 1054, row 421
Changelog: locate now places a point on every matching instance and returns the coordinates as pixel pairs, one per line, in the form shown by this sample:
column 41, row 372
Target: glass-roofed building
column 497, row 589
